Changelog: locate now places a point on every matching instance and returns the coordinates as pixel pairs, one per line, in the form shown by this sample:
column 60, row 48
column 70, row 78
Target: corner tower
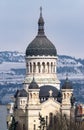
column 67, row 92
column 41, row 59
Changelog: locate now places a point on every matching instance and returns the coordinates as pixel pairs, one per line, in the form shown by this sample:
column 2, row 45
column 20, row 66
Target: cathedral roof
column 33, row 85
column 41, row 45
column 44, row 91
column 21, row 93
column 67, row 84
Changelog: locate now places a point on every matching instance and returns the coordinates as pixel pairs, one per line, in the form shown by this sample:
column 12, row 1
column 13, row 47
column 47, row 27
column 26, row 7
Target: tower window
column 34, row 67
column 64, row 96
column 34, row 127
column 67, row 95
column 46, row 121
column 34, row 95
column 54, row 67
column 51, row 119
column 48, row 67
column 43, row 67
column 30, row 68
column 21, row 102
column 30, row 95
column 39, row 67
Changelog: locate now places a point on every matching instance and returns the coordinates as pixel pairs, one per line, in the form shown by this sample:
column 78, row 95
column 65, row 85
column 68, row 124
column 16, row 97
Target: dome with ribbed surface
column 21, row 93
column 67, row 84
column 41, row 45
column 33, row 85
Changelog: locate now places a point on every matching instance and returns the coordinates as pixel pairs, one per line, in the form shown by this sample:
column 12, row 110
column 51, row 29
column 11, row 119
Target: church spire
column 66, row 76
column 41, row 24
column 40, row 11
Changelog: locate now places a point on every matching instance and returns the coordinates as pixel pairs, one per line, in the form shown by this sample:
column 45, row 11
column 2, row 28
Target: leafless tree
column 62, row 122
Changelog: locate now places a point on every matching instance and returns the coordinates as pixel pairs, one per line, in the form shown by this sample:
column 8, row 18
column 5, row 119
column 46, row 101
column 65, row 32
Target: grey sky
column 64, row 24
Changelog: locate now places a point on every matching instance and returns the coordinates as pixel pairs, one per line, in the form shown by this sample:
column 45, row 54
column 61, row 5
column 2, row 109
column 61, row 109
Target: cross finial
column 41, row 11
column 41, row 24
column 50, row 93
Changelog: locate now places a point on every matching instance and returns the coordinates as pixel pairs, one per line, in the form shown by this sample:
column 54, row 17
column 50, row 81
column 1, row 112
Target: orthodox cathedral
column 41, row 95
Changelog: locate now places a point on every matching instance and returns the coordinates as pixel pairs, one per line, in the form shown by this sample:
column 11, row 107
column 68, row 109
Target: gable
column 50, row 106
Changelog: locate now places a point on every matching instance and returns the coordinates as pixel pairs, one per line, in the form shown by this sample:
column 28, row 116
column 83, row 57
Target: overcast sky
column 64, row 24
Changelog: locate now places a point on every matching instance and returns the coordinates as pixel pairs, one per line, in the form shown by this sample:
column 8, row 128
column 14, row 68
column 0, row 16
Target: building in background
column 79, row 112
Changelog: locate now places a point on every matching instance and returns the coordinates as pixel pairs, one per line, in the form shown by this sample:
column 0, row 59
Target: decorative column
column 40, row 67
column 46, row 68
column 49, row 67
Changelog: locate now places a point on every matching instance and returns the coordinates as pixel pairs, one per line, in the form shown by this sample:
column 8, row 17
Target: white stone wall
column 33, row 97
column 43, row 69
column 66, row 103
column 22, row 101
column 41, row 64
column 66, row 96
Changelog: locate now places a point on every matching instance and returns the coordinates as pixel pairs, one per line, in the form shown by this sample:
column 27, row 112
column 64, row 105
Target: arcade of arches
column 48, row 67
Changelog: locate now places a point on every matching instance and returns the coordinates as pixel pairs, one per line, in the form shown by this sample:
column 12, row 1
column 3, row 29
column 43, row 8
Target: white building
column 41, row 94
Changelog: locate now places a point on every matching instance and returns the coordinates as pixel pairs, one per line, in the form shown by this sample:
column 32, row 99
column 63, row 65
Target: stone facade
column 43, row 68
column 41, row 94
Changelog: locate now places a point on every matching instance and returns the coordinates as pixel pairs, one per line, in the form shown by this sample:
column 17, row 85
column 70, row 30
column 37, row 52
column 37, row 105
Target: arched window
column 34, row 67
column 30, row 68
column 48, row 67
column 67, row 95
column 39, row 67
column 34, row 126
column 46, row 121
column 55, row 119
column 51, row 119
column 30, row 95
column 23, row 126
column 21, row 102
column 34, row 95
column 64, row 96
column 43, row 67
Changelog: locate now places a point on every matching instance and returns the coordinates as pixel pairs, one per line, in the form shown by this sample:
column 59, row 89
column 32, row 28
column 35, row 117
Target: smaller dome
column 33, row 85
column 20, row 93
column 67, row 84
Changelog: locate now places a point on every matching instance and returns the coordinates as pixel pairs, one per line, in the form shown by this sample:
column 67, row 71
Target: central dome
column 41, row 45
